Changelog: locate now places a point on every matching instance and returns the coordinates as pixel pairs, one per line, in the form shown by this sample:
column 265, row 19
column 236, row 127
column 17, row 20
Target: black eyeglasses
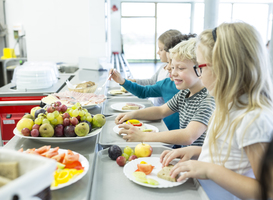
column 198, row 69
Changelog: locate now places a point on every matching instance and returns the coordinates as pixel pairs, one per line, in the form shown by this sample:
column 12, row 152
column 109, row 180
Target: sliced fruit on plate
column 145, row 168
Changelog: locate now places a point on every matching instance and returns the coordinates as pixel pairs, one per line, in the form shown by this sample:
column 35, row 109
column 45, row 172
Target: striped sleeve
column 205, row 110
column 173, row 102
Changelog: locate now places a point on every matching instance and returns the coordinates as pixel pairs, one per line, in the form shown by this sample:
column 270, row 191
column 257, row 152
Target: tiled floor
column 144, row 70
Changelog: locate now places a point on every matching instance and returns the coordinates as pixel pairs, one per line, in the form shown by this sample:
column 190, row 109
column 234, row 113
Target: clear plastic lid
column 35, row 75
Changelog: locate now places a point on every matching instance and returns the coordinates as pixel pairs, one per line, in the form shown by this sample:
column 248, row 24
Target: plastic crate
column 35, row 176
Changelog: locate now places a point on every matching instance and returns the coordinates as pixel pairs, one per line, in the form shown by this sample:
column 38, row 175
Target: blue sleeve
column 143, row 91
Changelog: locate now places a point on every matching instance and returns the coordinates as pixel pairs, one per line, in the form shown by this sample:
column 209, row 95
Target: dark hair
column 265, row 172
column 171, row 42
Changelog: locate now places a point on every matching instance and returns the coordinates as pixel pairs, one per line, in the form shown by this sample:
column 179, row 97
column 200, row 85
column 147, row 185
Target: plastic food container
column 35, row 75
column 35, row 176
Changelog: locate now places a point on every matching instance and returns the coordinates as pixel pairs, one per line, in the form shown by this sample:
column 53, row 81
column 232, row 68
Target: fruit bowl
column 57, row 139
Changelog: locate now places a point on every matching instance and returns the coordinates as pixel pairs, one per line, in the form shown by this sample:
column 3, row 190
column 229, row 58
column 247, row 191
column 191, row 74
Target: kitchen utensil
column 98, row 91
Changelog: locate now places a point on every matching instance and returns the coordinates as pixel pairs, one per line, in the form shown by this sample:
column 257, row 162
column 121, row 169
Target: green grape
column 38, row 121
column 74, row 107
column 70, row 112
column 128, row 150
column 56, row 113
column 77, row 104
column 83, row 118
column 50, row 116
column 41, row 115
column 46, row 121
column 133, row 153
column 81, row 113
column 54, row 121
column 89, row 118
column 85, row 110
column 75, row 113
column 88, row 114
column 125, row 155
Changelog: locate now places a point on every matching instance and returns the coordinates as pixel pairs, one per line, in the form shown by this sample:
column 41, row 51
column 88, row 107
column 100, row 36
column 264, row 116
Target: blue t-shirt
column 164, row 88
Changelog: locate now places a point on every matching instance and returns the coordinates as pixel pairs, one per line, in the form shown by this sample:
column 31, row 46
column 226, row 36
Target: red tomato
column 147, row 169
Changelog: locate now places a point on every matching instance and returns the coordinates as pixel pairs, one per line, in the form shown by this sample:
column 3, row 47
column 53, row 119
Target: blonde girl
column 233, row 65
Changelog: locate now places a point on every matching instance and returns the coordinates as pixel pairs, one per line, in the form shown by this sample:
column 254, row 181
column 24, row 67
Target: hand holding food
column 123, row 117
column 131, row 133
column 116, row 76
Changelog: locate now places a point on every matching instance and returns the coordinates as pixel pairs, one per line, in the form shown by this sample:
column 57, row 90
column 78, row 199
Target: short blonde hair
column 184, row 50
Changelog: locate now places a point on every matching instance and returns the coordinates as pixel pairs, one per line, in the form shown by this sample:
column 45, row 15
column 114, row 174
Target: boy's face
column 161, row 52
column 183, row 74
column 207, row 76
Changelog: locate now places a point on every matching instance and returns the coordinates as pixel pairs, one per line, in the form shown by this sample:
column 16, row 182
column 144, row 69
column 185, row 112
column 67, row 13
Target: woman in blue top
column 164, row 88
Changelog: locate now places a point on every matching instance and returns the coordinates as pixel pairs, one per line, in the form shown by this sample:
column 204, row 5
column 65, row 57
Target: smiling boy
column 192, row 102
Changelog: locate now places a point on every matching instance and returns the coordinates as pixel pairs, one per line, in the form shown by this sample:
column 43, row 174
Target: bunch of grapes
column 79, row 112
column 56, row 106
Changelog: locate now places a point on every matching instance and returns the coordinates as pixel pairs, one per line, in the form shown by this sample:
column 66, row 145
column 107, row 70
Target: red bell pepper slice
column 74, row 165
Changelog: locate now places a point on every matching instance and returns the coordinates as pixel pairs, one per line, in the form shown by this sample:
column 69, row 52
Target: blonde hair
column 241, row 66
column 184, row 50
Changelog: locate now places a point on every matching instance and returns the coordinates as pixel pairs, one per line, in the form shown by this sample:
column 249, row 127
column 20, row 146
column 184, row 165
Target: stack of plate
column 35, row 75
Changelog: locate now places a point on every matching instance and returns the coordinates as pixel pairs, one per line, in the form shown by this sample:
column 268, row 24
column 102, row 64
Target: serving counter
column 96, row 184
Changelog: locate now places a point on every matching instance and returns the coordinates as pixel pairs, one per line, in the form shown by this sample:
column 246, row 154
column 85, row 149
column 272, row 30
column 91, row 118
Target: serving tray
column 111, row 183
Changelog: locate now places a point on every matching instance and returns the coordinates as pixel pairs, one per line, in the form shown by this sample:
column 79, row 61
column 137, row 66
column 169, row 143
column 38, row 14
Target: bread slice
column 4, row 181
column 9, row 170
column 164, row 173
column 130, row 107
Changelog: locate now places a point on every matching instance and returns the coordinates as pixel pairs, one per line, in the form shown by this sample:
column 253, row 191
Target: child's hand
column 116, row 76
column 132, row 80
column 133, row 134
column 192, row 169
column 183, row 153
column 123, row 117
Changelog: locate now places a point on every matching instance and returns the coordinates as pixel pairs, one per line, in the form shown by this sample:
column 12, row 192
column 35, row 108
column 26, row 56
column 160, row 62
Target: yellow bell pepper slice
column 143, row 162
column 63, row 177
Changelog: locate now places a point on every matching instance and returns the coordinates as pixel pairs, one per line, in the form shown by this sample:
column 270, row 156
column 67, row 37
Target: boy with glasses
column 192, row 102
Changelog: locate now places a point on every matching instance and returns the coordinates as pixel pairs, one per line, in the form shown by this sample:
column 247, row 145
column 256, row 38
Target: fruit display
column 58, row 120
column 68, row 164
column 128, row 154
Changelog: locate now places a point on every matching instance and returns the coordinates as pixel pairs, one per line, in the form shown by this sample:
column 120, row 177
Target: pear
column 98, row 121
column 46, row 130
column 28, row 116
column 82, row 129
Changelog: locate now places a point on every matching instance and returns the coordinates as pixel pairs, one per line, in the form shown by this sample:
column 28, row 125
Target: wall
column 59, row 30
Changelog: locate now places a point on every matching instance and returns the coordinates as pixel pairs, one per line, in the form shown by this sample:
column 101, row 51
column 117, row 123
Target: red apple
column 121, row 161
column 143, row 150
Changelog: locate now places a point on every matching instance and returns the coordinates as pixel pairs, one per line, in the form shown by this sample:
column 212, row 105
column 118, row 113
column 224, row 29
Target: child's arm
column 241, row 186
column 180, row 136
column 152, row 113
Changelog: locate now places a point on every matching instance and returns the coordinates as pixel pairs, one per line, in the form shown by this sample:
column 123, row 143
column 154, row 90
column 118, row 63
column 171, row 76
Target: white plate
column 116, row 129
column 84, row 163
column 118, row 106
column 131, row 167
column 123, row 93
column 56, row 139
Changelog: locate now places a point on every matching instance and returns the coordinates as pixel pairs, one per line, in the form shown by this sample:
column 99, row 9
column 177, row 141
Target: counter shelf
column 107, row 110
column 79, row 190
column 111, row 183
column 108, row 137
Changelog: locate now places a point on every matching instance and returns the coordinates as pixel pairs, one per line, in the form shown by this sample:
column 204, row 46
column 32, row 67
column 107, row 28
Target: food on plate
column 82, row 129
column 4, row 181
column 114, row 152
column 84, row 87
column 143, row 150
column 46, row 130
column 68, row 165
column 85, row 84
column 141, row 177
column 9, row 170
column 98, row 120
column 24, row 123
column 136, row 123
column 69, row 98
column 57, row 120
column 148, row 130
column 115, row 92
column 164, row 173
column 145, row 168
column 131, row 106
column 121, row 161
